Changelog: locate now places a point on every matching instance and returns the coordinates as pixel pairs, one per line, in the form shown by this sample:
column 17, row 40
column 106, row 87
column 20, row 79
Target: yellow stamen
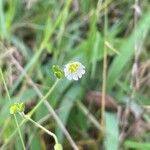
column 73, row 67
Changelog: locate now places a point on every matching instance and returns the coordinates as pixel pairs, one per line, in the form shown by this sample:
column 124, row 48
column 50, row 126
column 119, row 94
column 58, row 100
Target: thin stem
column 5, row 86
column 19, row 131
column 137, row 51
column 32, row 112
column 8, row 95
column 12, row 135
column 44, row 129
column 49, row 107
column 43, row 99
column 104, row 70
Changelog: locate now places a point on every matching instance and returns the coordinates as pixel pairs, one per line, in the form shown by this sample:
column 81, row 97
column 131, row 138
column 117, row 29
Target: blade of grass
column 64, row 18
column 10, row 13
column 112, row 132
column 3, row 32
column 127, row 50
column 69, row 99
column 136, row 145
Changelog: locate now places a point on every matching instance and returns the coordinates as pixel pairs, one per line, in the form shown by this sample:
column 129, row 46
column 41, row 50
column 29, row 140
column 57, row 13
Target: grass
column 34, row 35
column 14, row 115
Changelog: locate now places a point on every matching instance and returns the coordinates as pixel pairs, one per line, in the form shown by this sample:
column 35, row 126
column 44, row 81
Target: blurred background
column 110, row 38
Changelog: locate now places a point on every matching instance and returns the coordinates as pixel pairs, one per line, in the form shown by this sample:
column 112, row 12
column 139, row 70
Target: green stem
column 104, row 69
column 19, row 131
column 31, row 112
column 44, row 129
column 5, row 86
column 43, row 99
column 8, row 95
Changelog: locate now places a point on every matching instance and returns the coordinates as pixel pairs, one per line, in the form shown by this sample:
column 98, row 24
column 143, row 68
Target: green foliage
column 112, row 132
column 137, row 145
column 34, row 35
column 127, row 49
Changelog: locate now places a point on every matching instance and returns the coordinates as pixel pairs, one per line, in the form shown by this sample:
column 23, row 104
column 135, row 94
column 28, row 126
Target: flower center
column 73, row 67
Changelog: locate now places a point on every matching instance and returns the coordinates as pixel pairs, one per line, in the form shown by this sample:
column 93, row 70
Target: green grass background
column 47, row 32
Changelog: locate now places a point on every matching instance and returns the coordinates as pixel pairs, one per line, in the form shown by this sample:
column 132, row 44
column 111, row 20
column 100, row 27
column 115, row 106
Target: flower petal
column 66, row 72
column 80, row 75
column 83, row 71
column 75, row 77
column 76, row 73
column 69, row 77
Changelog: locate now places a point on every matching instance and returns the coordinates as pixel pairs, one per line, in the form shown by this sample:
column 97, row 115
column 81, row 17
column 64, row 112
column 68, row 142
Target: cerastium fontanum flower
column 72, row 71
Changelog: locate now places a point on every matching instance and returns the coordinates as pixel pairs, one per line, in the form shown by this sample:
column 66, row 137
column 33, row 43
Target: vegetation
column 108, row 108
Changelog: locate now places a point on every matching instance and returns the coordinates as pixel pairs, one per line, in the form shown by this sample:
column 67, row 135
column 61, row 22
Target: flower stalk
column 27, row 117
column 15, row 118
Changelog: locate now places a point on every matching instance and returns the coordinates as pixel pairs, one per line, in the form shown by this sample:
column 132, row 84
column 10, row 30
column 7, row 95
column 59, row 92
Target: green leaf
column 136, row 145
column 112, row 132
column 3, row 31
column 67, row 102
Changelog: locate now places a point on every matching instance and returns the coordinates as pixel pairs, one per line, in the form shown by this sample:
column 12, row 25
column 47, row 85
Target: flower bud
column 58, row 147
column 59, row 73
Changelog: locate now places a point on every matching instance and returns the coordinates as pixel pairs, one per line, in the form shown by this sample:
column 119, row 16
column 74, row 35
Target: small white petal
column 69, row 77
column 66, row 66
column 83, row 71
column 75, row 76
column 66, row 72
column 82, row 66
column 80, row 75
column 80, row 69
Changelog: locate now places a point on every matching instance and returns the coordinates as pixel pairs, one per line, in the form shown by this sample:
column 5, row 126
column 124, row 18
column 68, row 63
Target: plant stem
column 44, row 129
column 104, row 70
column 8, row 95
column 19, row 131
column 31, row 112
column 5, row 86
column 48, row 106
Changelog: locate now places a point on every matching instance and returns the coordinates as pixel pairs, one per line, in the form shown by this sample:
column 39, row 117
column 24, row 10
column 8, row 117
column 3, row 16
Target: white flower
column 74, row 70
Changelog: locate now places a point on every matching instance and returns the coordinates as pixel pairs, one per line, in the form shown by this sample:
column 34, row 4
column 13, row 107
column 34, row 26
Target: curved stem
column 31, row 112
column 44, row 129
column 8, row 95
